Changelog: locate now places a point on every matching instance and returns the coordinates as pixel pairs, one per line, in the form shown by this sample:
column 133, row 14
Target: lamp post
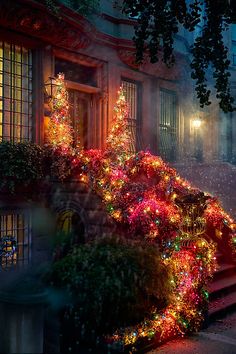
column 197, row 122
column 197, row 138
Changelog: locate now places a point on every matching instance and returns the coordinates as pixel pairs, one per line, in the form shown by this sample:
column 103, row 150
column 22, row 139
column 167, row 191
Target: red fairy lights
column 141, row 192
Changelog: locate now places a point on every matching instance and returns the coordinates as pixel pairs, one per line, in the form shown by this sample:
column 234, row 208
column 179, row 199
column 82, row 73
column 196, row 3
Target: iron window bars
column 14, row 239
column 15, row 93
column 168, row 127
column 132, row 92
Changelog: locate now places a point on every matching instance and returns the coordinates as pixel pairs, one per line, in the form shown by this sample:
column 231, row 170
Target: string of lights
column 147, row 197
column 59, row 133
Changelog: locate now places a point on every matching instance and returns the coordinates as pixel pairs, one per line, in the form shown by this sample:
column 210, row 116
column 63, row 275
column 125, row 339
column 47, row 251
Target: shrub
column 55, row 164
column 24, row 164
column 20, row 165
column 112, row 283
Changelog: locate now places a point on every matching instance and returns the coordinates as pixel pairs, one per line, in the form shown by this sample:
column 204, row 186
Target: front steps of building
column 222, row 290
column 219, row 179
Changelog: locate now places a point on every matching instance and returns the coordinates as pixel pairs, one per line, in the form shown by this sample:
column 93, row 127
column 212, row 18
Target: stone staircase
column 219, row 179
column 222, row 290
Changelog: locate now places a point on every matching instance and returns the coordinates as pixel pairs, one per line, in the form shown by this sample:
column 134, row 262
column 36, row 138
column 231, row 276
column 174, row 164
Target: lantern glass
column 50, row 87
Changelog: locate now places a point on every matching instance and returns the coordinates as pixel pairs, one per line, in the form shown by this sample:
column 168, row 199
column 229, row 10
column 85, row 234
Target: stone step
column 222, row 287
column 220, row 307
column 225, row 270
column 219, row 257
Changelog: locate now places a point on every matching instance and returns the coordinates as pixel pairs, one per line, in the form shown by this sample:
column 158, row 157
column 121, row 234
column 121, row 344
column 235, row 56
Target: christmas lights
column 117, row 144
column 153, row 202
column 59, row 132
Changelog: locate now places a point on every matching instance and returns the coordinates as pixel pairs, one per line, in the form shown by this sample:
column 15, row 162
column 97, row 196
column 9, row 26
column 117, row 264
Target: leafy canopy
column 157, row 23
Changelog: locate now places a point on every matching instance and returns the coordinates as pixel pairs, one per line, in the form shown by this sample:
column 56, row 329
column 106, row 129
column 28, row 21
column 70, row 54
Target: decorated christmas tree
column 118, row 140
column 59, row 132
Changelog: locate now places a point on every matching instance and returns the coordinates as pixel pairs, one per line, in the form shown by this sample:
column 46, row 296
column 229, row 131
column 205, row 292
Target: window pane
column 168, row 125
column 6, row 91
column 15, row 92
column 6, row 130
column 17, row 106
column 131, row 95
column 79, row 109
column 14, row 239
column 82, row 74
column 7, row 118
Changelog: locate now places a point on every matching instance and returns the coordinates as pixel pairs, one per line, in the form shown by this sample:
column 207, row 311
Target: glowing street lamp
column 197, row 136
column 197, row 122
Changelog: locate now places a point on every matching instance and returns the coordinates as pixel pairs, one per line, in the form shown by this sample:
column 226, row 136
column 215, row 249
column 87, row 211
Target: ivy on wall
column 24, row 165
column 159, row 21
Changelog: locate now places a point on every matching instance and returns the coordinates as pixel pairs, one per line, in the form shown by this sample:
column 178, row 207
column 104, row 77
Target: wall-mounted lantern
column 50, row 87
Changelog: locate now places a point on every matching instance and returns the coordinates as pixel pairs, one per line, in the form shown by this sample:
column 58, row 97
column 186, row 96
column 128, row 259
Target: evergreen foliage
column 112, row 282
column 157, row 24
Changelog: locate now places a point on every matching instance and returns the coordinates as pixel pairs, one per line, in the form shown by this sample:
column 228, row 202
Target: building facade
column 96, row 55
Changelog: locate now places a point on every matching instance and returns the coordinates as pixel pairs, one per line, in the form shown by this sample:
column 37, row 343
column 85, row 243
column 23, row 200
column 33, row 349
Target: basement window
column 14, row 239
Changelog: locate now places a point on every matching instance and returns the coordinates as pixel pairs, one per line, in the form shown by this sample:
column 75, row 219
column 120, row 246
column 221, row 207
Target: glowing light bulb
column 197, row 122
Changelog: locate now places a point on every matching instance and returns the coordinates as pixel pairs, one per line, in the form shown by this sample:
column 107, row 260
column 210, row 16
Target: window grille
column 168, row 125
column 14, row 239
column 15, row 93
column 131, row 91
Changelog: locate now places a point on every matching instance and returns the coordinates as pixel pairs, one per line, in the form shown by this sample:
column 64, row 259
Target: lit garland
column 59, row 132
column 191, row 269
column 232, row 239
column 117, row 144
column 152, row 201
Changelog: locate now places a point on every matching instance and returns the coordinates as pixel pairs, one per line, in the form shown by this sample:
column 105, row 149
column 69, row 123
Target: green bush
column 56, row 164
column 20, row 165
column 112, row 283
column 25, row 164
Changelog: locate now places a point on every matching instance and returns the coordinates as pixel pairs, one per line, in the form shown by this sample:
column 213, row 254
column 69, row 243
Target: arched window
column 70, row 223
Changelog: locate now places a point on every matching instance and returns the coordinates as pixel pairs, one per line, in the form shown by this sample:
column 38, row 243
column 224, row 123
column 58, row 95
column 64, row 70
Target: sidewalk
column 218, row 338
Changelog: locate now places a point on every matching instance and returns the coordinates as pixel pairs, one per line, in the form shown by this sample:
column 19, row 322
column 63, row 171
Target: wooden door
column 80, row 112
